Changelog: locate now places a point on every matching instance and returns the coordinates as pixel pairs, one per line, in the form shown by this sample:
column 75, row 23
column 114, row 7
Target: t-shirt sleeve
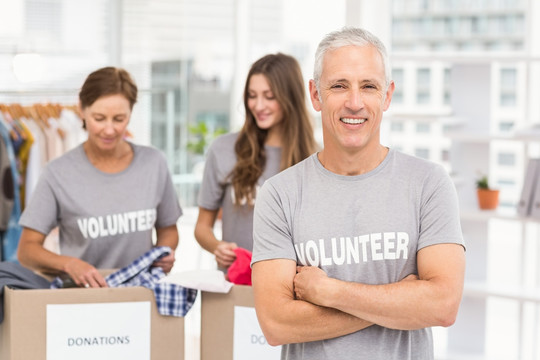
column 272, row 234
column 211, row 192
column 42, row 211
column 168, row 209
column 439, row 216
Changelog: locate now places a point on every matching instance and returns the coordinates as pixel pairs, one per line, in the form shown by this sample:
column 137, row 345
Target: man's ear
column 388, row 95
column 314, row 95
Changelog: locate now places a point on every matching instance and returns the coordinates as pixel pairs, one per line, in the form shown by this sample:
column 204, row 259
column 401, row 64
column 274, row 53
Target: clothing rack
column 31, row 136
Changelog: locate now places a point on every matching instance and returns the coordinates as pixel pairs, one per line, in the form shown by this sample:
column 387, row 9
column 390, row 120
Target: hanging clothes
column 31, row 137
column 10, row 237
column 7, row 191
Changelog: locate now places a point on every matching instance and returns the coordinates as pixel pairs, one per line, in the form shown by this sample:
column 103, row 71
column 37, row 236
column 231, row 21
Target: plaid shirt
column 171, row 299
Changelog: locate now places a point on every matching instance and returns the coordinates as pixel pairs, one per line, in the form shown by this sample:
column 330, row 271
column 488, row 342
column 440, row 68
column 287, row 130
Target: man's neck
column 353, row 163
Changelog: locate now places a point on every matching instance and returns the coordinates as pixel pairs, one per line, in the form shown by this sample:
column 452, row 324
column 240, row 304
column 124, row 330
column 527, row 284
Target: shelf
column 486, row 138
column 500, row 214
column 478, row 289
column 459, row 356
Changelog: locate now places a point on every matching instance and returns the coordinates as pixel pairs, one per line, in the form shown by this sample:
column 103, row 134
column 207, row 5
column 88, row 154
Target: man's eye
column 338, row 86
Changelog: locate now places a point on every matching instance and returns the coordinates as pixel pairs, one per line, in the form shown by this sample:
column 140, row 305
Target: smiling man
column 358, row 249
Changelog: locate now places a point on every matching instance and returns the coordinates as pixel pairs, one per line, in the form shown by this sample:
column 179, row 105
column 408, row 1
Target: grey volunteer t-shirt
column 216, row 189
column 104, row 219
column 367, row 229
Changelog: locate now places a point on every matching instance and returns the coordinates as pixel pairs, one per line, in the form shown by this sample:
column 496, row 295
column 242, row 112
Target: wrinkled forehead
column 353, row 61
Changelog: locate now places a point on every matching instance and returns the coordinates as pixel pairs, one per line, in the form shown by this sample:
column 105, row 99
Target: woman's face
column 107, row 120
column 262, row 103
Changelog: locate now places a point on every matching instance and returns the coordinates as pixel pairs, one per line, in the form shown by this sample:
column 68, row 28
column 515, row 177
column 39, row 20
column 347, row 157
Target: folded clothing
column 15, row 276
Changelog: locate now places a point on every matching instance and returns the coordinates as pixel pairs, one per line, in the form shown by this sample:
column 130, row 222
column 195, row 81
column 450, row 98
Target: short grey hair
column 346, row 37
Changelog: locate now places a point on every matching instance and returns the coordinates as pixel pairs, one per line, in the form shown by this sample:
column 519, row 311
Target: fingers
column 410, row 277
column 166, row 266
column 225, row 254
column 166, row 262
column 225, row 260
column 93, row 280
column 84, row 275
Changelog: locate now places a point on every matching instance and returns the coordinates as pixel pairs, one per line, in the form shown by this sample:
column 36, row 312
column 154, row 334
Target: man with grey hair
column 358, row 249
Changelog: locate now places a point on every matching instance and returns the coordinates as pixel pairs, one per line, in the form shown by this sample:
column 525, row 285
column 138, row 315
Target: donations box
column 106, row 323
column 230, row 329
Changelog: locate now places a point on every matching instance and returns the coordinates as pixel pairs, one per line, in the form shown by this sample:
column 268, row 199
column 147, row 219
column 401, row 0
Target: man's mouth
column 352, row 121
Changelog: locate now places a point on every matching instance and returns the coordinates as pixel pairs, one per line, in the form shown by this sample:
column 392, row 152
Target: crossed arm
column 306, row 306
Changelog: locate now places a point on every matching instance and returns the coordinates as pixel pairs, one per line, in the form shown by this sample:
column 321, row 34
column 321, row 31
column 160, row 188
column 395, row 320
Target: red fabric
column 239, row 272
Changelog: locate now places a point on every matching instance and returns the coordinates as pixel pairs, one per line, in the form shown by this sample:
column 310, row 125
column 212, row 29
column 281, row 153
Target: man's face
column 352, row 98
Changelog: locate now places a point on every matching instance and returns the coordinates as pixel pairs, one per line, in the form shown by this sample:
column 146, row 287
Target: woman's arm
column 204, row 233
column 34, row 256
column 167, row 236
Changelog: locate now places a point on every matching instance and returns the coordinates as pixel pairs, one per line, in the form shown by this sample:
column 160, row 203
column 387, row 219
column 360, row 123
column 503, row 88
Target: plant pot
column 488, row 199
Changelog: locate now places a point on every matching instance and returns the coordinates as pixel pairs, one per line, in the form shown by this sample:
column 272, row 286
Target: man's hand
column 307, row 281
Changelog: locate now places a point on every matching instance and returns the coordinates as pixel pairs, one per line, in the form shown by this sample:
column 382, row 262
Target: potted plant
column 200, row 139
column 488, row 198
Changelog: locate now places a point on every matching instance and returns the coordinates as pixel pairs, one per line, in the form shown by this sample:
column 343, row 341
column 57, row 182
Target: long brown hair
column 285, row 79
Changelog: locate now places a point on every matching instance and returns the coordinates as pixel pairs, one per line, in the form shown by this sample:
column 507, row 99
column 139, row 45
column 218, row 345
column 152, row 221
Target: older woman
column 106, row 195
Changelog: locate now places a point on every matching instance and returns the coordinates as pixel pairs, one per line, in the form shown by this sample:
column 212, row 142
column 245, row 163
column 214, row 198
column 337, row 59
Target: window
column 397, row 75
column 423, row 82
column 506, row 159
column 445, row 155
column 423, row 128
column 396, row 126
column 447, row 85
column 506, row 126
column 508, row 78
column 422, row 153
column 508, row 87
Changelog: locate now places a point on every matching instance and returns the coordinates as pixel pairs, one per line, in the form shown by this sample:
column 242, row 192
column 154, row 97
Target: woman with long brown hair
column 277, row 133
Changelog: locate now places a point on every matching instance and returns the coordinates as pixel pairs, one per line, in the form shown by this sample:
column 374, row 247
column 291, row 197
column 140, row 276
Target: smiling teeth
column 352, row 121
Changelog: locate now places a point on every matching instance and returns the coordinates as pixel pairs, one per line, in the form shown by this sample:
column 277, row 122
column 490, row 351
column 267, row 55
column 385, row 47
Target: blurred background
column 467, row 77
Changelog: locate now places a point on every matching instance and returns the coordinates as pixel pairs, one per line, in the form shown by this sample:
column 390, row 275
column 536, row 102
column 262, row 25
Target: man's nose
column 354, row 100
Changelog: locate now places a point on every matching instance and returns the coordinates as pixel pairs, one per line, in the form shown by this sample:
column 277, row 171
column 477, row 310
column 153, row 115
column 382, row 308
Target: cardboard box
column 28, row 314
column 229, row 327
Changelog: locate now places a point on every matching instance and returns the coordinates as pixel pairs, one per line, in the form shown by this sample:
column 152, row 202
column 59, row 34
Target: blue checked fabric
column 171, row 299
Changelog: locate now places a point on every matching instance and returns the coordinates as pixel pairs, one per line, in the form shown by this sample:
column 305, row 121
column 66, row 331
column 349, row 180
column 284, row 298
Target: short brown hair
column 108, row 81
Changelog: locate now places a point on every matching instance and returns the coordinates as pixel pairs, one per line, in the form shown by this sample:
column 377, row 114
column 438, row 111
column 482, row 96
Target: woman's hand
column 83, row 274
column 225, row 254
column 166, row 262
